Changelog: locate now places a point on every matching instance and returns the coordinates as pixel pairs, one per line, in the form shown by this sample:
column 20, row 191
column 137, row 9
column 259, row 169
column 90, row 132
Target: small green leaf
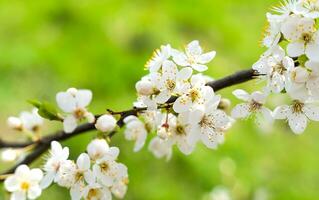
column 46, row 110
column 35, row 103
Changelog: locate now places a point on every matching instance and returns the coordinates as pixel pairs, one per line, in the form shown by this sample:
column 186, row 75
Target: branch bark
column 43, row 144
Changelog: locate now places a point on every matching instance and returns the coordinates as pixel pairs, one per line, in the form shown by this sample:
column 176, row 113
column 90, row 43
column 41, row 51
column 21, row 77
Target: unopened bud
column 105, row 123
column 224, row 104
column 163, row 133
column 14, row 123
column 144, row 87
column 300, row 75
column 10, row 155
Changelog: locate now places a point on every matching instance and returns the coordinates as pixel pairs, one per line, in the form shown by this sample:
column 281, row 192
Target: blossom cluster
column 192, row 116
column 94, row 175
column 290, row 66
column 175, row 105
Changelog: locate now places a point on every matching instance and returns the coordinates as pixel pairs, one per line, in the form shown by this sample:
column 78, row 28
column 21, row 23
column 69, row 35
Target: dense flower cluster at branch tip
column 177, row 106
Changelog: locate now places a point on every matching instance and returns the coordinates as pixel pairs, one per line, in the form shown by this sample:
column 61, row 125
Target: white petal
column 207, row 57
column 241, row 111
column 22, row 171
column 75, row 192
column 193, row 48
column 267, row 114
column 312, row 112
column 296, row 49
column 185, row 73
column 281, row 112
column 259, row 97
column 140, row 141
column 114, row 152
column 34, row 192
column 89, row 177
column 18, row 195
column 197, row 115
column 182, row 104
column 56, row 147
column 241, row 94
column 69, row 124
column 83, row 98
column 169, row 68
column 209, row 139
column 199, row 67
column 312, row 51
column 221, row 120
column 11, row 184
column 66, row 101
column 47, row 180
column 297, row 122
column 36, row 175
column 180, row 59
column 83, row 162
column 163, row 97
column 184, row 146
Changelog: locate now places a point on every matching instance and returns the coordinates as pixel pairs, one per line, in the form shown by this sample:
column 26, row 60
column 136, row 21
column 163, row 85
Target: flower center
column 104, row 167
column 255, row 106
column 79, row 113
column 194, row 94
column 25, row 186
column 279, row 68
column 170, row 84
column 206, row 122
column 297, row 107
column 191, row 60
column 79, row 176
column 92, row 193
column 180, row 130
column 306, row 37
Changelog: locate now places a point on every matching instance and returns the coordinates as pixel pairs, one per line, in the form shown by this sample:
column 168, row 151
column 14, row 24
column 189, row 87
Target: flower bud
column 97, row 148
column 144, row 87
column 300, row 75
column 224, row 104
column 10, row 155
column 163, row 133
column 105, row 123
column 14, row 123
column 72, row 91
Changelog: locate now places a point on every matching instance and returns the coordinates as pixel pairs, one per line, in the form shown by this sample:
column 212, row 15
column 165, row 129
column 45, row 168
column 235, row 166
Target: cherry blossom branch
column 43, row 144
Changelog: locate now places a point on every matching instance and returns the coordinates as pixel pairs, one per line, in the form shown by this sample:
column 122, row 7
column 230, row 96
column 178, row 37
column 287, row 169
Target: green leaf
column 46, row 110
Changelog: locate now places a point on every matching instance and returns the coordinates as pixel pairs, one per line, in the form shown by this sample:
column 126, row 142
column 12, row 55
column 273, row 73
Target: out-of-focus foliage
column 48, row 46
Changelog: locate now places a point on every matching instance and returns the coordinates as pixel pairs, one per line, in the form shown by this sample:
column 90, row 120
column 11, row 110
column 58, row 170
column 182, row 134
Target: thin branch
column 43, row 144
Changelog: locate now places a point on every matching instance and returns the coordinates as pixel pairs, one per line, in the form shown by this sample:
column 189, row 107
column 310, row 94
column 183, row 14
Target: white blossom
column 57, row 157
column 298, row 114
column 254, row 104
column 105, row 123
column 135, row 130
column 179, row 132
column 27, row 121
column 193, row 57
column 74, row 103
column 158, row 58
column 274, row 66
column 99, row 149
column 10, row 155
column 170, row 81
column 197, row 94
column 303, row 37
column 308, row 8
column 24, row 183
column 161, row 148
column 208, row 124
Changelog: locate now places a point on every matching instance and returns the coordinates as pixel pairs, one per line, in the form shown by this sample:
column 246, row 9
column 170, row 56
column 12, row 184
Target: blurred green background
column 48, row 46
